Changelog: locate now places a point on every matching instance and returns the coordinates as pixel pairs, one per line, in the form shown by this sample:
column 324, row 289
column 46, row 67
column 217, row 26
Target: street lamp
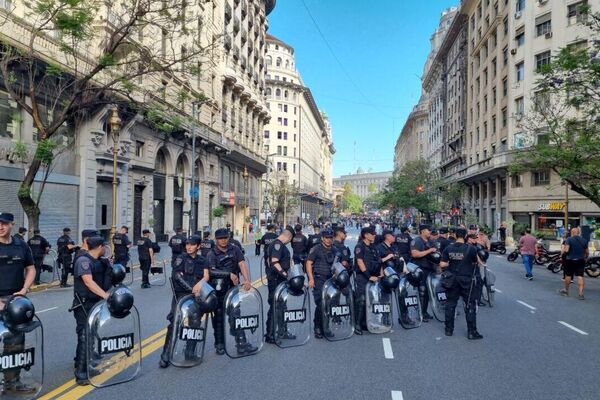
column 115, row 128
column 245, row 175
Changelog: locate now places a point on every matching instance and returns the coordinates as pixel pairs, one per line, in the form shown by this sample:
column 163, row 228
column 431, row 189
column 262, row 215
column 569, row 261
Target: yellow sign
column 553, row 206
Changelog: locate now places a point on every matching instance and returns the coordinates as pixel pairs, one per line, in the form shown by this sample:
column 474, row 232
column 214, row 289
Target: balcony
column 228, row 42
column 255, row 78
column 250, row 47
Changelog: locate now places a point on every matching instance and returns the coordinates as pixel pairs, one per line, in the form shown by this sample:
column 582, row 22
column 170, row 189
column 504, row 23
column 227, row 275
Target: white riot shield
column 488, row 290
column 379, row 308
column 409, row 305
column 129, row 274
column 338, row 310
column 114, row 346
column 49, row 271
column 158, row 273
column 437, row 296
column 22, row 360
column 291, row 316
column 244, row 327
column 189, row 333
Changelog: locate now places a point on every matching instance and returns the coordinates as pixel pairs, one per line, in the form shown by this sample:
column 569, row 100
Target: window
column 294, row 157
column 294, row 136
column 280, row 107
column 541, row 101
column 493, row 124
column 269, row 92
column 279, row 135
column 278, row 62
column 504, row 117
column 277, row 93
column 494, row 67
column 139, row 148
column 285, row 122
column 269, row 60
column 494, row 100
column 575, row 14
column 285, row 150
column 520, row 71
column 516, row 181
column 519, row 106
column 520, row 5
column 520, row 37
column 279, row 151
column 294, row 166
column 543, row 24
column 10, row 125
column 285, row 166
column 285, row 108
column 505, row 56
column 504, row 87
column 540, row 178
column 505, row 22
column 542, row 60
column 279, row 120
column 284, row 135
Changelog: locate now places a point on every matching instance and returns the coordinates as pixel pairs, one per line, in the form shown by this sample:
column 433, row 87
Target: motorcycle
column 512, row 257
column 542, row 254
column 592, row 266
column 499, row 247
column 555, row 263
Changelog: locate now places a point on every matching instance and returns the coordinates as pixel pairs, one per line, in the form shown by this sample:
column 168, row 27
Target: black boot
column 473, row 334
column 360, row 316
column 81, row 375
column 449, row 328
column 164, row 356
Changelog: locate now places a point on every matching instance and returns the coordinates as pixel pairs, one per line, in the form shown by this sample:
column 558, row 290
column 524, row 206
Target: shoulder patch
column 357, row 250
column 85, row 265
column 277, row 246
column 178, row 261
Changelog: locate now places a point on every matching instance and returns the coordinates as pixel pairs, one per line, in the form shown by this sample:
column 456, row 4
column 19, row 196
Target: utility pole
column 566, row 206
column 115, row 128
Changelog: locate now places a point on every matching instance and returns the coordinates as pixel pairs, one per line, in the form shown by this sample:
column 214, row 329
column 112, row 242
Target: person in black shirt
column 65, row 246
column 299, row 244
column 177, row 244
column 367, row 267
column 387, row 252
column 268, row 238
column 421, row 248
column 39, row 248
column 318, row 268
column 278, row 258
column 21, row 233
column 235, row 242
column 462, row 261
column 575, row 249
column 17, row 273
column 403, row 244
column 122, row 244
column 343, row 251
column 207, row 244
column 190, row 270
column 451, row 235
column 442, row 240
column 145, row 256
column 314, row 239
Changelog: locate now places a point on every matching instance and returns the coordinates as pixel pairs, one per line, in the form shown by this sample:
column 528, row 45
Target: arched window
column 269, row 92
column 285, row 94
column 278, row 62
column 269, row 60
column 278, row 93
column 287, row 64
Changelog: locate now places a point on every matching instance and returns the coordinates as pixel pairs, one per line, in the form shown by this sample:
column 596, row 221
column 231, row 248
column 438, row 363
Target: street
column 532, row 337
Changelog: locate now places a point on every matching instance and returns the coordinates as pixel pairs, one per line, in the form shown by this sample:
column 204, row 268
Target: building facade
column 411, row 143
column 364, row 184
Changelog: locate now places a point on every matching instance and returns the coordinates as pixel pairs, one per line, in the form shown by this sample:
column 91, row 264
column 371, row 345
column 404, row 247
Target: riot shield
column 114, row 345
column 49, row 271
column 338, row 309
column 21, row 360
column 437, row 296
column 379, row 308
column 488, row 291
column 244, row 327
column 158, row 273
column 189, row 333
column 129, row 271
column 291, row 316
column 409, row 305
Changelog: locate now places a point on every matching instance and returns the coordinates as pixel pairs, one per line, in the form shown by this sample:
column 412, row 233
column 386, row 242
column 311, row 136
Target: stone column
column 169, row 196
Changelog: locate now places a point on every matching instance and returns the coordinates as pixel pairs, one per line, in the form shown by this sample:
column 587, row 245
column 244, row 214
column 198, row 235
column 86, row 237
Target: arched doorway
column 160, row 183
column 179, row 192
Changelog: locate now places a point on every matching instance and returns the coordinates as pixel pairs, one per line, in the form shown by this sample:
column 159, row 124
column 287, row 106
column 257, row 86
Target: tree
column 281, row 195
column 562, row 131
column 351, row 202
column 80, row 56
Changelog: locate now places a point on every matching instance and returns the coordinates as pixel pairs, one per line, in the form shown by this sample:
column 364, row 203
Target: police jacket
column 62, row 246
column 223, row 263
column 187, row 271
column 402, row 245
column 384, row 250
column 14, row 257
column 206, row 246
column 121, row 243
column 322, row 258
column 144, row 245
column 462, row 259
column 344, row 256
column 279, row 251
column 177, row 244
column 38, row 245
column 312, row 241
column 267, row 239
column 442, row 243
column 370, row 257
column 299, row 244
column 422, row 245
column 100, row 270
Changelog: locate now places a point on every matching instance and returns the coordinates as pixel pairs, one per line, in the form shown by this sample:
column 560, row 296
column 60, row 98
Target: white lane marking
column 387, row 349
column 573, row 328
column 397, row 395
column 497, row 290
column 526, row 305
column 47, row 309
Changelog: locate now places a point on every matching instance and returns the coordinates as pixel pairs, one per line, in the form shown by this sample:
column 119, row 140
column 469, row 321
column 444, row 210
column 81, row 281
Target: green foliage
column 45, row 151
column 352, row 203
column 20, row 149
column 218, row 212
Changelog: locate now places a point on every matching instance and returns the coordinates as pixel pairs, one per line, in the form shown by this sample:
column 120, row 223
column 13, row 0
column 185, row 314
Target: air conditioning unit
column 513, row 51
column 517, row 14
column 548, row 35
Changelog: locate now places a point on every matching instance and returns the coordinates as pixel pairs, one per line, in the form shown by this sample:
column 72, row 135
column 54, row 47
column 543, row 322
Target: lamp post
column 245, row 175
column 115, row 127
column 193, row 193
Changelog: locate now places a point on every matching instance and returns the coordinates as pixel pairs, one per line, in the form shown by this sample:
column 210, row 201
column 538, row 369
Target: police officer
column 39, row 247
column 421, row 248
column 278, row 263
column 433, row 238
column 403, row 244
column 190, row 270
column 17, row 273
column 269, row 237
column 207, row 244
column 387, row 251
column 225, row 262
column 236, row 242
column 315, row 238
column 344, row 254
column 65, row 246
column 462, row 261
column 177, row 244
column 367, row 267
column 21, row 233
column 442, row 239
column 318, row 268
column 299, row 244
column 451, row 235
column 122, row 244
column 92, row 276
column 145, row 256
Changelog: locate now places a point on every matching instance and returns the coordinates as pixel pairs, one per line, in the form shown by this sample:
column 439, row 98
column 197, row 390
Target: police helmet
column 207, row 299
column 390, row 279
column 295, row 279
column 118, row 274
column 18, row 314
column 119, row 302
column 341, row 278
column 434, row 257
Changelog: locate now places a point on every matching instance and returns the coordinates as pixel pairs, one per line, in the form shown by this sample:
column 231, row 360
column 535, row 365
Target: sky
column 364, row 68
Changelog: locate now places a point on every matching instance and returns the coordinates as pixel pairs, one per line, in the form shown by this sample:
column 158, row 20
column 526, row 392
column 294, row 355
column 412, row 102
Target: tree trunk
column 31, row 208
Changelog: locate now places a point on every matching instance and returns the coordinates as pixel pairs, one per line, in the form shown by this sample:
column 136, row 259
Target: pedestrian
column 122, row 244
column 318, row 268
column 367, row 266
column 527, row 245
column 39, row 248
column 65, row 246
column 576, row 250
column 502, row 232
column 257, row 241
column 177, row 244
column 17, row 273
column 225, row 263
column 460, row 264
column 299, row 245
column 421, row 249
column 189, row 272
column 145, row 256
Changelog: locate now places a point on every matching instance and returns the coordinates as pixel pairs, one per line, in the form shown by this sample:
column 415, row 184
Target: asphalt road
column 537, row 345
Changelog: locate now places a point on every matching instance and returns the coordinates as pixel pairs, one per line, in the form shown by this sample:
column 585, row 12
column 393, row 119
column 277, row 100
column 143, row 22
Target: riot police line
column 109, row 338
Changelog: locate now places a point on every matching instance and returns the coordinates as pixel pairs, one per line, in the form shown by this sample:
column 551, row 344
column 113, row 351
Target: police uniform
column 384, row 250
column 313, row 240
column 266, row 241
column 442, row 242
column 121, row 243
column 344, row 255
column 222, row 263
column 144, row 245
column 368, row 254
column 237, row 244
column 206, row 246
column 462, row 259
column 299, row 246
column 177, row 245
column 65, row 256
column 277, row 249
column 38, row 245
column 427, row 267
column 403, row 244
column 187, row 271
column 322, row 258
